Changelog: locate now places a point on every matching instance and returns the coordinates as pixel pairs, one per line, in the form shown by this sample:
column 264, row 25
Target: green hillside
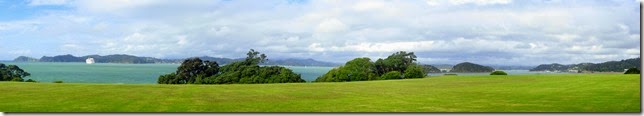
column 484, row 93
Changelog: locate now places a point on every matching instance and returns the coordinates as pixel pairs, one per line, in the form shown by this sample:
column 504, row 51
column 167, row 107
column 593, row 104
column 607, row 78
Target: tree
column 358, row 69
column 169, row 79
column 414, row 71
column 391, row 75
column 247, row 71
column 632, row 71
column 398, row 61
column 254, row 57
column 362, row 69
column 192, row 67
column 12, row 73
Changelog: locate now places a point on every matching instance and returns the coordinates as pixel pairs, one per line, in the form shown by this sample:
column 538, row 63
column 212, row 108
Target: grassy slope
column 516, row 93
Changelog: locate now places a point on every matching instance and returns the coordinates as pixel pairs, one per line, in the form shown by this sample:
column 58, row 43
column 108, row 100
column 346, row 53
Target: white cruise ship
column 89, row 61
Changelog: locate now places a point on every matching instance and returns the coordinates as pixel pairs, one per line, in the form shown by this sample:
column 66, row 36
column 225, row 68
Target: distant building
column 445, row 69
column 89, row 60
column 574, row 71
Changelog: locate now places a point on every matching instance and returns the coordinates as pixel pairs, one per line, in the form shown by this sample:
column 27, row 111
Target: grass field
column 512, row 93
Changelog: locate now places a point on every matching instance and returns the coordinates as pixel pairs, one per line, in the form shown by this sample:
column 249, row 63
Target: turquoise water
column 120, row 73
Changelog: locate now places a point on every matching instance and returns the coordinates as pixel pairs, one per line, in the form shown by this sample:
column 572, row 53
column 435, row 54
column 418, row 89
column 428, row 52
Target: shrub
column 632, row 71
column 414, row 71
column 391, row 75
column 450, row 74
column 29, row 80
column 17, row 79
column 498, row 72
column 58, row 81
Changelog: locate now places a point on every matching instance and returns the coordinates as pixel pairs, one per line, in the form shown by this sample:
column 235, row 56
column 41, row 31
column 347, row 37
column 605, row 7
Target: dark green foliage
column 391, row 75
column 398, row 61
column 17, row 79
column 29, row 80
column 192, row 67
column 331, row 76
column 468, row 67
column 414, row 71
column 498, row 72
column 169, row 79
column 58, row 81
column 247, row 71
column 12, row 73
column 362, row 69
column 359, row 69
column 272, row 74
column 189, row 71
column 632, row 71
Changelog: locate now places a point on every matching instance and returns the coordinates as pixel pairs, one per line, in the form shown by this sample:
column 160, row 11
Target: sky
column 502, row 32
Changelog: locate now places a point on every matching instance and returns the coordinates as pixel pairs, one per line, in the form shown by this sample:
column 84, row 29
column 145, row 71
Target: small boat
column 89, row 61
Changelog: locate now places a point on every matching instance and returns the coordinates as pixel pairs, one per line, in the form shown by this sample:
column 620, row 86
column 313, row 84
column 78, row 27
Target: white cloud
column 437, row 30
column 331, row 26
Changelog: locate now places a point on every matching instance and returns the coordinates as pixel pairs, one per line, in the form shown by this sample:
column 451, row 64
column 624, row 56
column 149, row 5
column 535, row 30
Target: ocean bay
column 115, row 73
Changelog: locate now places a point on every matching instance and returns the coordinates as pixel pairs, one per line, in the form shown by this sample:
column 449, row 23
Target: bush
column 391, row 75
column 17, row 79
column 12, row 73
column 450, row 74
column 498, row 72
column 29, row 80
column 632, row 71
column 58, row 81
column 414, row 71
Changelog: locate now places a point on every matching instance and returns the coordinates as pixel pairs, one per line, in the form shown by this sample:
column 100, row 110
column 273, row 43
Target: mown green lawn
column 513, row 93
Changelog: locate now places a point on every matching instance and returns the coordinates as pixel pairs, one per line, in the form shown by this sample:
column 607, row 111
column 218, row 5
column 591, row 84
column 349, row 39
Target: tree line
column 13, row 73
column 247, row 71
column 399, row 65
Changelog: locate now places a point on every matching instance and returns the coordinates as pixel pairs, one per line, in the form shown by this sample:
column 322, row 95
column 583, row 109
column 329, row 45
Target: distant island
column 130, row 59
column 610, row 66
column 467, row 67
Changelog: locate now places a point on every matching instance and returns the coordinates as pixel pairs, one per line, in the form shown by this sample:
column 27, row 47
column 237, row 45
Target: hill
column 609, row 66
column 62, row 58
column 25, row 59
column 467, row 67
column 130, row 59
column 431, row 69
column 484, row 93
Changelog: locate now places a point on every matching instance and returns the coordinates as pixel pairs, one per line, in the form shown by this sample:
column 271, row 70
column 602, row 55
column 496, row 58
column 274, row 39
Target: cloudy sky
column 507, row 32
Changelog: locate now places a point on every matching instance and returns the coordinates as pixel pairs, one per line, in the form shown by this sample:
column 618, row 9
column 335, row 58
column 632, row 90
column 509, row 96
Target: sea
column 114, row 73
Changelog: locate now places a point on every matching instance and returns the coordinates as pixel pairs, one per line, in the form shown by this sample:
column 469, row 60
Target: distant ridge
column 130, row 59
column 609, row 66
column 25, row 59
